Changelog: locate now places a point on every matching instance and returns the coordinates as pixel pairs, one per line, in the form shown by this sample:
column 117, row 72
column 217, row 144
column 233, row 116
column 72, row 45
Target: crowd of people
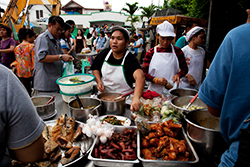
column 38, row 63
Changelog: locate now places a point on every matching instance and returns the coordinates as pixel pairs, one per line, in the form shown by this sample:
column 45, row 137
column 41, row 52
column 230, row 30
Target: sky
column 117, row 5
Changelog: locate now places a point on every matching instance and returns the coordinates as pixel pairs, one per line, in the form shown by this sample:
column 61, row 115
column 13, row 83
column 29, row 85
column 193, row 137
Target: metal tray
column 111, row 162
column 86, row 55
column 162, row 163
column 86, row 144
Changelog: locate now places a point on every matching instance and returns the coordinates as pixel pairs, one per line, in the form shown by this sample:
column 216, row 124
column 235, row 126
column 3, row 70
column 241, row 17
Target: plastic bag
column 69, row 69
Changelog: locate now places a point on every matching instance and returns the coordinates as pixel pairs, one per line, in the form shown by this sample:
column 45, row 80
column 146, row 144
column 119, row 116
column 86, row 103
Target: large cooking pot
column 112, row 107
column 179, row 102
column 183, row 92
column 43, row 110
column 204, row 133
column 90, row 106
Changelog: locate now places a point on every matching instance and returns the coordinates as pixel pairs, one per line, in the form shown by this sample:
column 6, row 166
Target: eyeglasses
column 58, row 29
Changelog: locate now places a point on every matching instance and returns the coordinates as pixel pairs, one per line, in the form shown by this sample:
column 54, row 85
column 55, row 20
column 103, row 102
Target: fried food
column 147, row 154
column 49, row 146
column 70, row 155
column 161, row 142
column 77, row 134
column 63, row 142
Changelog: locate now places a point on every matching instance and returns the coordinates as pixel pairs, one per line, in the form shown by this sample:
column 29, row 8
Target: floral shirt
column 25, row 60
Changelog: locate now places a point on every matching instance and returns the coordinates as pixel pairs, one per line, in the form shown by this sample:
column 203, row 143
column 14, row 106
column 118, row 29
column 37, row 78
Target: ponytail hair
column 24, row 32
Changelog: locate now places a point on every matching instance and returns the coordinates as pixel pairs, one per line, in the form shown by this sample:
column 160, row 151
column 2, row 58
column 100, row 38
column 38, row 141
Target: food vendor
column 162, row 63
column 116, row 69
column 195, row 57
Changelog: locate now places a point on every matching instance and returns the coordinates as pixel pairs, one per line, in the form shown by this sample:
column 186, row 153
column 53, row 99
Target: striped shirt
column 180, row 56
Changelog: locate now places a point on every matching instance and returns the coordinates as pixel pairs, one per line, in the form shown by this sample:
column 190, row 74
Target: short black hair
column 58, row 19
column 89, row 35
column 135, row 37
column 102, row 32
column 24, row 32
column 71, row 22
column 8, row 29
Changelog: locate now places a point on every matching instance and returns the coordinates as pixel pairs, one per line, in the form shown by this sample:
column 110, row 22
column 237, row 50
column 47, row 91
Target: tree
column 132, row 8
column 148, row 11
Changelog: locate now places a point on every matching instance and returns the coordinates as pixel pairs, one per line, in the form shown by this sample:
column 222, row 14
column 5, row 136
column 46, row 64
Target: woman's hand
column 100, row 86
column 191, row 80
column 160, row 81
column 135, row 104
column 176, row 78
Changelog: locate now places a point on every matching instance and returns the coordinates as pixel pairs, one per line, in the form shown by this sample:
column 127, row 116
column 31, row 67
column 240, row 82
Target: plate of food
column 64, row 142
column 115, row 120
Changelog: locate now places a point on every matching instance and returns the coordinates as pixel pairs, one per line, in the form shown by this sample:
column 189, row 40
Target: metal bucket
column 83, row 114
column 42, row 109
column 203, row 131
column 112, row 107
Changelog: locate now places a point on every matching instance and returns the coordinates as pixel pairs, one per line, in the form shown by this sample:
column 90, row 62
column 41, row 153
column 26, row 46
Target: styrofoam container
column 66, row 97
column 66, row 86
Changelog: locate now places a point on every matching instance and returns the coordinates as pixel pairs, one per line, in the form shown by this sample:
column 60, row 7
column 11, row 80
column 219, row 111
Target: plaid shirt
column 182, row 62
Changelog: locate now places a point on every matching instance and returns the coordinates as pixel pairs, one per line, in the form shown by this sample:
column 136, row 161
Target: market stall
column 198, row 158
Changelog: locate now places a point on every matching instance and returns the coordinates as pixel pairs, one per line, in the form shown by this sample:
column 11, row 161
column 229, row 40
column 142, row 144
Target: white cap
column 193, row 31
column 165, row 29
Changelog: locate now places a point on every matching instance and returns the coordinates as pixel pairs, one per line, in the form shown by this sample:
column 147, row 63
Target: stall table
column 62, row 108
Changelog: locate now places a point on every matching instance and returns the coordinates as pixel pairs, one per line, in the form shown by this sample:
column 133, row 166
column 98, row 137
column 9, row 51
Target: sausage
column 123, row 146
column 128, row 131
column 110, row 155
column 134, row 145
column 96, row 153
column 115, row 145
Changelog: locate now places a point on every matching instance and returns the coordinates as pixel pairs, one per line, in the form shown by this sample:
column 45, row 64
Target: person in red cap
column 162, row 63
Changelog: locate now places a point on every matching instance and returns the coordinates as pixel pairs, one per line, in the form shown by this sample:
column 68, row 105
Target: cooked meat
column 50, row 146
column 63, row 142
column 77, row 134
column 70, row 155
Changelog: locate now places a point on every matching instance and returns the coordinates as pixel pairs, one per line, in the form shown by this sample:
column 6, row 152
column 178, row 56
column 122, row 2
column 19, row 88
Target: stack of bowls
column 69, row 89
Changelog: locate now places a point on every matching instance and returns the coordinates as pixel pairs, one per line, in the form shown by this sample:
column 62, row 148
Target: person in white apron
column 111, row 77
column 194, row 55
column 164, row 64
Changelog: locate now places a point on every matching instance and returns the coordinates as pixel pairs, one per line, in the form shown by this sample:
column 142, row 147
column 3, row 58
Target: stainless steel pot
column 112, row 107
column 183, row 92
column 179, row 102
column 203, row 131
column 83, row 114
column 43, row 110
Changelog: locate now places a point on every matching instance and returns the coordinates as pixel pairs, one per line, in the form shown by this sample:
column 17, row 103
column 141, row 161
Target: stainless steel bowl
column 179, row 102
column 43, row 110
column 83, row 114
column 112, row 107
column 183, row 92
column 203, row 131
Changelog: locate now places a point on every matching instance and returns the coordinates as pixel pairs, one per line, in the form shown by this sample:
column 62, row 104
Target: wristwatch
column 60, row 56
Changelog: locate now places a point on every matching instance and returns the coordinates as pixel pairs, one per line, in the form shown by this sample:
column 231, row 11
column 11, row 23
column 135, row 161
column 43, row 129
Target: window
column 39, row 14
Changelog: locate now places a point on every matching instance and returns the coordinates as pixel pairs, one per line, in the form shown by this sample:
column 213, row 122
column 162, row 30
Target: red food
column 149, row 94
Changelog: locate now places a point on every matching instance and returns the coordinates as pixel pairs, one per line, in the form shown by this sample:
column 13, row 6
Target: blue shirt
column 181, row 42
column 100, row 42
column 226, row 86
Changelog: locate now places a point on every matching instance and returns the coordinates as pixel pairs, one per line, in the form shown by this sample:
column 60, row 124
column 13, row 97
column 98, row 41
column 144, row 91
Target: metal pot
column 183, row 92
column 83, row 114
column 179, row 102
column 43, row 110
column 112, row 107
column 203, row 131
